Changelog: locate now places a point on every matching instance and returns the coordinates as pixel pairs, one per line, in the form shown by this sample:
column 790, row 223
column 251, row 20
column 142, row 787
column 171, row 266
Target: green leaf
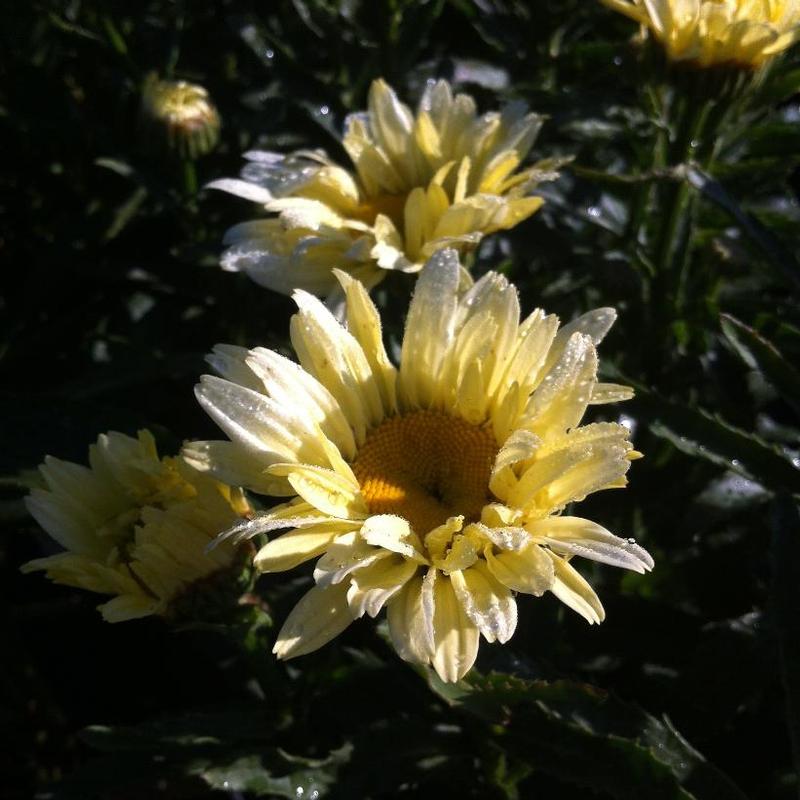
column 697, row 433
column 310, row 779
column 759, row 353
column 762, row 237
column 588, row 737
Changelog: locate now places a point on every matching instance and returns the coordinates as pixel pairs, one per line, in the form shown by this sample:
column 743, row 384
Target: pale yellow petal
column 298, row 546
column 582, row 537
column 573, row 590
column 324, row 489
column 411, row 635
column 455, row 635
column 364, row 322
column 429, row 329
column 488, row 604
column 321, row 615
column 392, row 533
column 528, row 570
column 373, row 586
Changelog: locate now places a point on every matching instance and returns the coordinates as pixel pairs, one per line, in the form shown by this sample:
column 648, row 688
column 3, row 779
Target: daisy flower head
column 742, row 33
column 443, row 177
column 434, row 489
column 132, row 525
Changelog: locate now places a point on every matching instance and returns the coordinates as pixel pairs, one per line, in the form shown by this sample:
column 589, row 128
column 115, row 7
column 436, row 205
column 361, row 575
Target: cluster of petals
column 468, row 367
column 443, row 177
column 744, row 33
column 132, row 525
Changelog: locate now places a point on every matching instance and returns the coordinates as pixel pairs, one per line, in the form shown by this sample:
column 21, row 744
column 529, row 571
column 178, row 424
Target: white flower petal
column 528, row 570
column 582, row 537
column 324, row 489
column 573, row 590
column 257, row 423
column 610, row 393
column 245, row 189
column 560, row 401
column 487, row 603
column 291, row 386
column 298, row 546
column 411, row 635
column 503, row 538
column 392, row 533
column 236, row 466
column 336, row 360
column 429, row 328
column 373, row 586
column 321, row 615
column 364, row 322
column 345, row 555
column 455, row 635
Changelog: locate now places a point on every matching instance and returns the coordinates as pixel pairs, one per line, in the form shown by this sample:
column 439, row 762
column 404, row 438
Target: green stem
column 189, row 177
column 696, row 115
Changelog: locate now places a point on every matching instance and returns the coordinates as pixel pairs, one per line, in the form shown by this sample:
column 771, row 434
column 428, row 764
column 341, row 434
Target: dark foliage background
column 112, row 295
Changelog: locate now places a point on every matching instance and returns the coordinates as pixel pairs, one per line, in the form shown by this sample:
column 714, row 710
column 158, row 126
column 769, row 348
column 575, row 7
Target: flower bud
column 179, row 117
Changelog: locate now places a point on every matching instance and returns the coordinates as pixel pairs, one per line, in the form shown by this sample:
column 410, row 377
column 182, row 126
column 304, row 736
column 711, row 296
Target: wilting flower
column 743, row 33
column 179, row 116
column 132, row 525
column 442, row 177
column 434, row 489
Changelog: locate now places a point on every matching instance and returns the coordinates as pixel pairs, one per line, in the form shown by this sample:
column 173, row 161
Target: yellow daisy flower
column 745, row 33
column 444, row 177
column 435, row 489
column 132, row 525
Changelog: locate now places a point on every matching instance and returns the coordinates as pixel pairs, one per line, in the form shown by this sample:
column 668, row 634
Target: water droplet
column 269, row 53
column 631, row 541
column 324, row 110
column 735, row 463
column 796, row 461
column 593, row 211
column 695, row 143
column 226, row 784
column 617, row 61
column 299, row 791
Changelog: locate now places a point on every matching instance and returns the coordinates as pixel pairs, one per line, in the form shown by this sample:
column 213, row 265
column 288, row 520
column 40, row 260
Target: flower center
column 426, row 466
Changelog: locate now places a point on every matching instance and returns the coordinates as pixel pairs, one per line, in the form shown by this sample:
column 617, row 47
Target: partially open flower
column 445, row 177
column 133, row 526
column 179, row 116
column 741, row 33
column 435, row 489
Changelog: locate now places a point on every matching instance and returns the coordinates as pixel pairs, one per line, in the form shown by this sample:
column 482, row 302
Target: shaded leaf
column 310, row 779
column 588, row 737
column 698, row 433
column 759, row 353
column 775, row 251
